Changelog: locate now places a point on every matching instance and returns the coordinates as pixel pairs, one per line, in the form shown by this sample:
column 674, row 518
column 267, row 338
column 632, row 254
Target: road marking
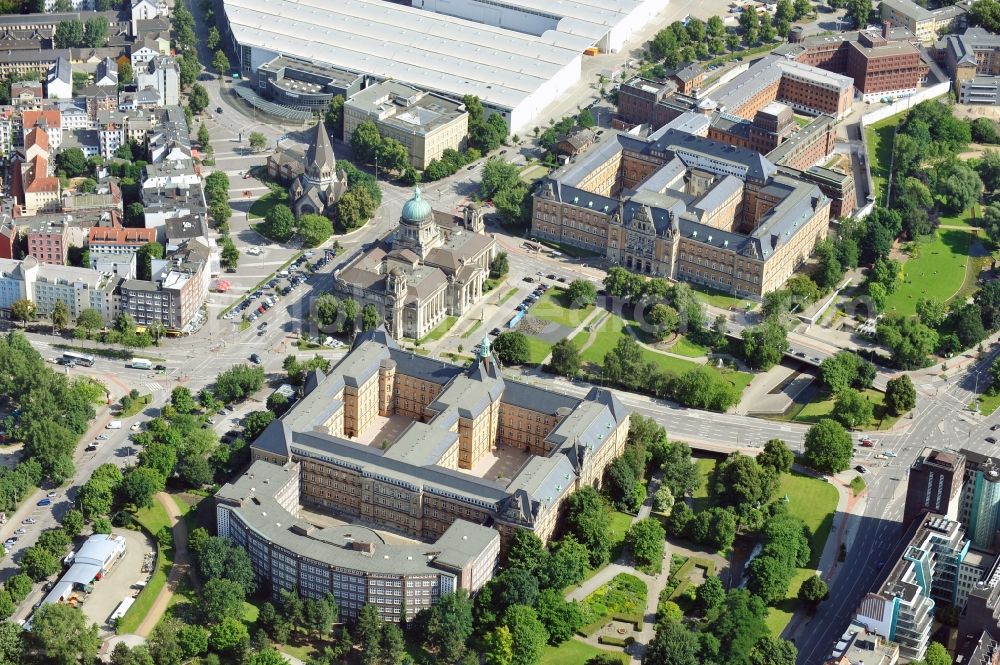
column 153, row 386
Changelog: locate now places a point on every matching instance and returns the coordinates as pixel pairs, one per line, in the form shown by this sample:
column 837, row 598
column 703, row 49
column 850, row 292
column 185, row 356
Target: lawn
column 706, row 467
column 533, row 172
column 136, row 405
column 574, row 652
column 440, row 330
column 988, row 403
column 938, row 271
column 821, row 404
column 857, row 485
column 264, row 205
column 879, row 136
column 620, row 522
column 551, row 307
column 779, row 615
column 473, row 328
column 718, row 298
column 966, row 220
column 685, row 347
column 507, row 296
column 538, row 349
column 152, row 520
column 813, row 501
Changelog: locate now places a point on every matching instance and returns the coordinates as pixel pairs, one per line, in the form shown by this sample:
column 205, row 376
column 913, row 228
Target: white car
column 889, row 453
column 102, row 437
column 136, row 427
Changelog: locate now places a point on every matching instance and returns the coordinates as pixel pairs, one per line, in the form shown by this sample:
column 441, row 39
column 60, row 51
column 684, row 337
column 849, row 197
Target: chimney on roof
column 885, row 29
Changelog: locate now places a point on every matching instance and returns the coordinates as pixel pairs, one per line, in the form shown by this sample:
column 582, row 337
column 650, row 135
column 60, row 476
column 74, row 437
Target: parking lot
column 256, row 303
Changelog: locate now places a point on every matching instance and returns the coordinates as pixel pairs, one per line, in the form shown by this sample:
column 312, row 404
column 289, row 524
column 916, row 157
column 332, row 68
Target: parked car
column 160, row 368
column 991, row 439
column 995, row 427
column 45, row 502
column 30, row 520
column 860, row 469
column 254, row 358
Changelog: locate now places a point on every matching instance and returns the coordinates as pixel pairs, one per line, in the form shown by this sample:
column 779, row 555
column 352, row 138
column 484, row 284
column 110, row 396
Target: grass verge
column 136, row 406
column 779, row 615
column 266, row 203
column 507, row 296
column 476, row 325
column 152, row 520
column 440, row 330
column 857, row 485
column 988, row 403
column 574, row 652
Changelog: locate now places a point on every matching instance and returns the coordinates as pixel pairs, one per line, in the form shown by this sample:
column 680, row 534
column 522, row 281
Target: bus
column 141, row 363
column 69, row 357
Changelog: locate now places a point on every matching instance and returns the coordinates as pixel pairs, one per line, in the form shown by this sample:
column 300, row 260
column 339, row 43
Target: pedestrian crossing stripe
column 153, row 387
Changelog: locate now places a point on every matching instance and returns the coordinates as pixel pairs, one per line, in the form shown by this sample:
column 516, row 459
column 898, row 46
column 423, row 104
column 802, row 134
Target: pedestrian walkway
column 180, row 568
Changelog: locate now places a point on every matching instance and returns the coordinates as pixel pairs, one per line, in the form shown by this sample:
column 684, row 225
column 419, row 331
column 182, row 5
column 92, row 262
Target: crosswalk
column 153, row 386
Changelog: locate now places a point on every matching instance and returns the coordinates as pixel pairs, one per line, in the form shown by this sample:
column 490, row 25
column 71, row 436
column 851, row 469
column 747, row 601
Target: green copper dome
column 416, row 209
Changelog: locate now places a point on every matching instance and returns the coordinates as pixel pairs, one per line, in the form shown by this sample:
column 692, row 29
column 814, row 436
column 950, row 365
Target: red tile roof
column 112, row 236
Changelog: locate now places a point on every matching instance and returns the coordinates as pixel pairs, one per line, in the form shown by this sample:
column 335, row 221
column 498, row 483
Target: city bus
column 77, row 359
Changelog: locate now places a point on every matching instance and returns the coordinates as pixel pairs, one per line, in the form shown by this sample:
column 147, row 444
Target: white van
column 141, row 363
column 114, row 424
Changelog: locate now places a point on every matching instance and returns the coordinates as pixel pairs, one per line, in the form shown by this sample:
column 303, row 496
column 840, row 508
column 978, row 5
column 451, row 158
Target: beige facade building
column 431, row 269
column 426, row 123
column 925, row 24
column 683, row 206
column 459, row 425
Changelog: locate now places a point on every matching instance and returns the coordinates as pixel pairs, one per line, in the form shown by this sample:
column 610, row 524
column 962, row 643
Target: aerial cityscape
column 459, row 332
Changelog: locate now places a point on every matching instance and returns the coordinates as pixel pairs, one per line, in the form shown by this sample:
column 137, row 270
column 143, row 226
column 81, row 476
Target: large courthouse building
column 457, row 457
column 680, row 205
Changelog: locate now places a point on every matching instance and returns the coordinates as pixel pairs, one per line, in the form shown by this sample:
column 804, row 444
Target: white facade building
column 162, row 75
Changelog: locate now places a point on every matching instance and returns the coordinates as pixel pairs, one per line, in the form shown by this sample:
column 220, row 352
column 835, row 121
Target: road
column 941, row 420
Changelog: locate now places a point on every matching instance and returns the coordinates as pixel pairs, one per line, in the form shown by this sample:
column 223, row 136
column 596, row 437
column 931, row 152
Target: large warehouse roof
column 426, row 49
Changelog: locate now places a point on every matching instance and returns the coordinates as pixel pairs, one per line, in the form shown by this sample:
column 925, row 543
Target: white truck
column 141, row 363
column 114, row 424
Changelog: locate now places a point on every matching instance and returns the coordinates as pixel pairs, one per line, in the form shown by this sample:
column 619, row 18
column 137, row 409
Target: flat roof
column 429, row 50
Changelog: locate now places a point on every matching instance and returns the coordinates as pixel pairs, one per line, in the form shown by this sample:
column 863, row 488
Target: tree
column 355, row 208
column 370, row 318
column 365, row 142
column 500, row 265
column 909, row 340
column 813, row 591
column 664, row 320
column 526, row 551
column 773, row 651
column 931, row 312
column 646, row 538
column 958, row 186
column 565, row 359
column 968, row 324
column 450, row 626
column 673, row 644
column 776, row 456
column 680, row 472
column 95, row 32
column 182, row 400
column 560, row 618
column 859, row 11
column 279, row 223
column 257, row 141
column 937, row 654
column 740, row 480
column 500, row 647
column 140, row 485
column 334, row 118
column 828, row 446
column 663, row 500
column 230, row 253
column 220, row 62
column 69, row 34
column 900, row 395
column 62, row 634
column 581, row 293
column 769, row 577
column 72, row 161
column 764, row 345
column 135, row 214
column 90, row 319
column 527, row 632
column 144, row 259
column 588, row 520
column 197, row 98
column 221, row 598
column 268, row 656
column 166, row 645
column 72, row 522
column 23, row 310
column 710, row 594
column 229, row 635
column 511, row 348
column 59, row 316
column 218, row 558
column 38, row 563
column 852, row 409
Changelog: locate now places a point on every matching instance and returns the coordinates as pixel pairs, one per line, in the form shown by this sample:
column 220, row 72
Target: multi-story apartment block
column 33, row 185
column 8, row 237
column 357, row 565
column 59, row 80
column 882, row 68
column 111, row 131
column 73, row 115
column 934, row 484
column 111, row 240
column 973, row 62
column 683, row 206
column 458, row 424
column 48, row 241
column 30, row 62
column 930, row 566
column 426, row 123
column 859, row 647
column 48, row 120
column 173, row 297
column 979, row 499
column 44, row 285
column 924, row 23
column 161, row 74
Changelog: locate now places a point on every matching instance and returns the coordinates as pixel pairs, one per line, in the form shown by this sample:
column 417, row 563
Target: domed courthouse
column 433, row 266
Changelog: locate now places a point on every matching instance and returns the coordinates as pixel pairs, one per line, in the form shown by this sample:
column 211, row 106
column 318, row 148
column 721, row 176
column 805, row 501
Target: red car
column 867, row 443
